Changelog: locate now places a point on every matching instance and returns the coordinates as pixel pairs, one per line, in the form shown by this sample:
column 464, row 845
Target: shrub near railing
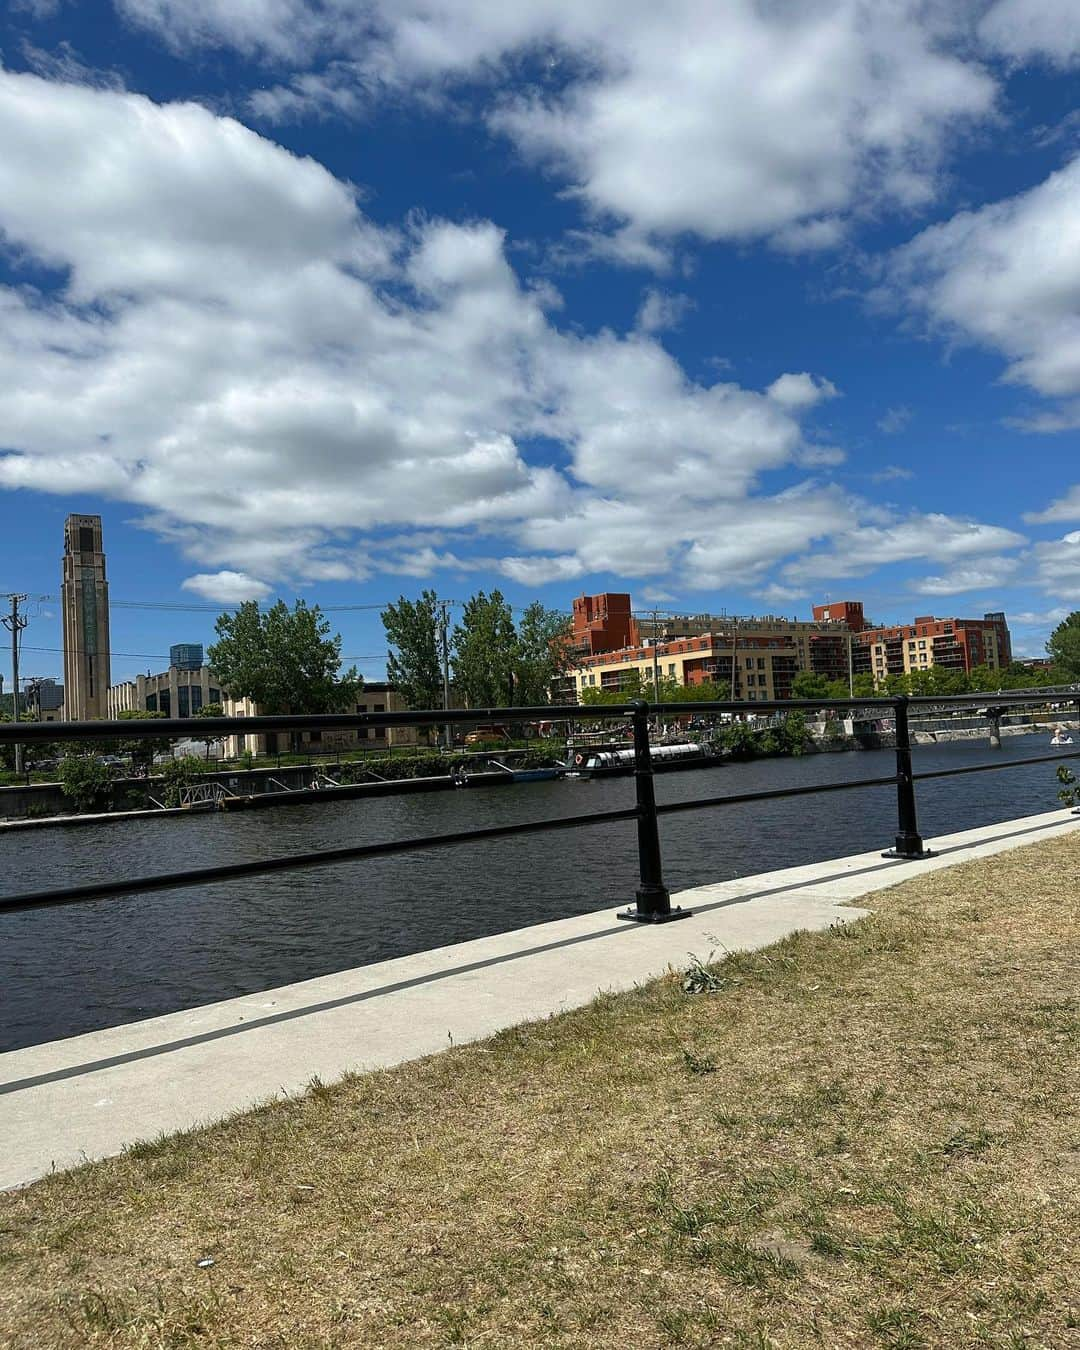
column 394, row 767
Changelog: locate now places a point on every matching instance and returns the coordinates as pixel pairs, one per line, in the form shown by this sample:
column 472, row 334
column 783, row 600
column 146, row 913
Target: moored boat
column 601, row 763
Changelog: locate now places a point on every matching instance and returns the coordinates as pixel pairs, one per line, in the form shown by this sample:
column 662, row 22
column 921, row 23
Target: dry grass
column 859, row 1138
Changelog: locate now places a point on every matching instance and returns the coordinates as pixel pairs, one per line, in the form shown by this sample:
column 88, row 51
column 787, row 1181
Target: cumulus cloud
column 935, row 536
column 726, row 121
column 985, row 574
column 232, row 345
column 1022, row 29
column 229, row 343
column 799, row 393
column 660, row 310
column 227, row 588
column 1007, row 276
column 1066, row 507
column 1058, row 563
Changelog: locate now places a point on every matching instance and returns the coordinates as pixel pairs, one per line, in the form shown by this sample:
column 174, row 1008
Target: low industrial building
column 181, row 691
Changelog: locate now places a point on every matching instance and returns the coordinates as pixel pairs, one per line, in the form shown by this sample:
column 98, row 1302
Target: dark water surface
column 106, row 962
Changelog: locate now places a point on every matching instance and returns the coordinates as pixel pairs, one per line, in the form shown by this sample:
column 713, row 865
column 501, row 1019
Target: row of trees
column 636, row 685
column 492, row 661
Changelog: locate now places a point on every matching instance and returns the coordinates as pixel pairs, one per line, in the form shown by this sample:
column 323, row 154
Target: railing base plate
column 637, row 916
column 909, row 857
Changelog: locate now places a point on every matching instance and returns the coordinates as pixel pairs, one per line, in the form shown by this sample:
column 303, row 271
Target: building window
column 922, row 645
column 151, row 703
column 378, row 707
column 183, row 701
column 761, row 663
column 196, row 698
column 315, row 737
column 749, row 663
column 215, row 695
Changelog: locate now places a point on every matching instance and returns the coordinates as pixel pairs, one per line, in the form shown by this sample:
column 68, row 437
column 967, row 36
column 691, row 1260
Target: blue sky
column 734, row 306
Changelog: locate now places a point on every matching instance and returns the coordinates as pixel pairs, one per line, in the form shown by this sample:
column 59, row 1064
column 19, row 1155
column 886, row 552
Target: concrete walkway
column 89, row 1096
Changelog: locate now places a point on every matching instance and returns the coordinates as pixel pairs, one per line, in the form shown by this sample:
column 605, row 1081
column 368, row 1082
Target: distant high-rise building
column 84, row 598
column 186, row 655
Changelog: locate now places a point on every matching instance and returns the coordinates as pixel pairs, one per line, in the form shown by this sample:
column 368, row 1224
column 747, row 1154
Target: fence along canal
column 651, row 903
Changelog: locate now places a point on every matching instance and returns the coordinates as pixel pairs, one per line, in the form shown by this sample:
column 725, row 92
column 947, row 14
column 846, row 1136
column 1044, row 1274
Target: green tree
column 709, row 691
column 540, row 655
column 1064, row 647
column 85, row 781
column 485, row 649
column 807, row 684
column 413, row 665
column 284, row 660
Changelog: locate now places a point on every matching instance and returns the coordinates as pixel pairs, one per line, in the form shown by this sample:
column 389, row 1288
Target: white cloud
column 785, row 596
column 726, row 121
column 1058, row 562
column 800, row 393
column 1007, row 276
column 936, row 536
column 891, row 473
column 660, row 310
column 238, row 350
column 1066, row 507
column 1022, row 29
column 234, row 347
column 980, row 576
column 228, row 588
column 894, row 419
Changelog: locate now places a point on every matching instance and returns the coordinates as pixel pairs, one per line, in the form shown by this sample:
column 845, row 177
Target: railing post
column 909, row 844
column 653, row 898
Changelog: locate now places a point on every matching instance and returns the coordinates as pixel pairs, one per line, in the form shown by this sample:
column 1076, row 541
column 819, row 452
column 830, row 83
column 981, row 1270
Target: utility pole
column 15, row 623
column 444, row 624
column 851, row 664
column 656, row 666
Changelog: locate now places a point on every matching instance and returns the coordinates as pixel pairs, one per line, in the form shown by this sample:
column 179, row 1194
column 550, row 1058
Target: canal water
column 83, row 967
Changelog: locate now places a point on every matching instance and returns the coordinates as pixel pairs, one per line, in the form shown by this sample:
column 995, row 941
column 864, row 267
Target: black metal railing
column 653, row 901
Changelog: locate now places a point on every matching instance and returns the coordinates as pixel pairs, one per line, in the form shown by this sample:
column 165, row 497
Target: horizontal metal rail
column 203, row 728
column 1005, row 764
column 737, row 798
column 203, row 876
column 653, row 899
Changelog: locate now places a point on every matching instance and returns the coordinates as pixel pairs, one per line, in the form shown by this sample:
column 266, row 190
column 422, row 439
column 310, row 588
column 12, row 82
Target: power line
column 164, row 656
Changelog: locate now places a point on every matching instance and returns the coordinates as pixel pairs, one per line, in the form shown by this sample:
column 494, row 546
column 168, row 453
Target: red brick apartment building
column 758, row 657
column 957, row 644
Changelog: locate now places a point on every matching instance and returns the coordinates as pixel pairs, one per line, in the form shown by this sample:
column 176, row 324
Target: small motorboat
column 1061, row 737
